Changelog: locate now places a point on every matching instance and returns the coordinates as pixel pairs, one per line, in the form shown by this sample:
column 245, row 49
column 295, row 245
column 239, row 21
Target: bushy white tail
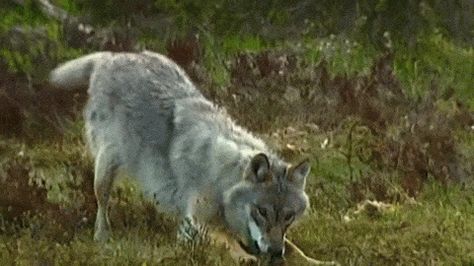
column 76, row 73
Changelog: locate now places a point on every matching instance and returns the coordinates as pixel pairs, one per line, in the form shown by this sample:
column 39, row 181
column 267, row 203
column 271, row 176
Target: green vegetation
column 381, row 102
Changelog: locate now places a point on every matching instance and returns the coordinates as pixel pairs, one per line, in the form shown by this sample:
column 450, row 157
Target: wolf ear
column 258, row 169
column 297, row 174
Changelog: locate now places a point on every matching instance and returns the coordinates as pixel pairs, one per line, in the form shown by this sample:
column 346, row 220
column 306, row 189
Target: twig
column 348, row 154
column 48, row 9
column 57, row 13
column 53, row 11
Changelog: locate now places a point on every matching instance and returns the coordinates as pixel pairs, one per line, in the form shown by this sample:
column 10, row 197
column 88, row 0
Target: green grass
column 437, row 228
column 433, row 59
column 437, row 59
column 39, row 40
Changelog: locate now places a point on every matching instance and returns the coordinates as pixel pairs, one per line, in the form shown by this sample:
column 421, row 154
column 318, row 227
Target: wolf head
column 261, row 207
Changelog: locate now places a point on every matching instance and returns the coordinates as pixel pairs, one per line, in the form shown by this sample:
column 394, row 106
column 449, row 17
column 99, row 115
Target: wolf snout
column 276, row 252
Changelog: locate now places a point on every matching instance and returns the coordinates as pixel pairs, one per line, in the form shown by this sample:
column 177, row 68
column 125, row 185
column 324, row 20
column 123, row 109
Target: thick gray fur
column 145, row 117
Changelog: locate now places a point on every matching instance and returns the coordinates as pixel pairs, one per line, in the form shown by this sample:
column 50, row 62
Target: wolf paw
column 101, row 236
column 243, row 258
column 190, row 232
column 101, row 227
column 248, row 260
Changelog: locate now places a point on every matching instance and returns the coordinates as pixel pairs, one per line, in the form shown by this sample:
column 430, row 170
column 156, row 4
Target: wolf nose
column 276, row 252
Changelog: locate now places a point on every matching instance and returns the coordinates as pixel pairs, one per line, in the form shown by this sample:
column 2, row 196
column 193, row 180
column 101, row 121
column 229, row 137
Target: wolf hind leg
column 106, row 166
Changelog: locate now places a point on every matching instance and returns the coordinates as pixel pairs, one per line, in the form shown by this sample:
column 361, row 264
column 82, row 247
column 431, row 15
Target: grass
column 436, row 228
column 430, row 232
column 434, row 59
column 47, row 206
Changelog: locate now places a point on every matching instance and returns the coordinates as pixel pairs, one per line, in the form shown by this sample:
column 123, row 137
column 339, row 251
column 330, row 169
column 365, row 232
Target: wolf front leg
column 236, row 251
column 189, row 231
column 293, row 251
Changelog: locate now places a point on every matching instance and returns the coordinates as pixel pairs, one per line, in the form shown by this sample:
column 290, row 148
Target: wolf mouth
column 252, row 249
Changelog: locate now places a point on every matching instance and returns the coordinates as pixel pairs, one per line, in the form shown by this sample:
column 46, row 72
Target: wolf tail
column 77, row 72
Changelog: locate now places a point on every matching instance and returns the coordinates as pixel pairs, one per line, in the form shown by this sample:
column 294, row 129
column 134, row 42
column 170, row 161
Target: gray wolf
column 145, row 117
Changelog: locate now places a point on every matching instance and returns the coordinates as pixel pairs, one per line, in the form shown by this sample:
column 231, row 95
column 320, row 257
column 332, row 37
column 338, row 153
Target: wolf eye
column 262, row 212
column 289, row 217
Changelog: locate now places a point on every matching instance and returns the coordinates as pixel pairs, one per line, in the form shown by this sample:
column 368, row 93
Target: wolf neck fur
column 233, row 156
column 208, row 132
column 225, row 147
